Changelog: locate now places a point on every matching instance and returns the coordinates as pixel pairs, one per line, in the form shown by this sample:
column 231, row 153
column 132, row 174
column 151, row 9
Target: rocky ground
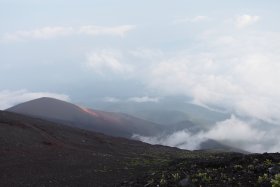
column 215, row 169
column 35, row 152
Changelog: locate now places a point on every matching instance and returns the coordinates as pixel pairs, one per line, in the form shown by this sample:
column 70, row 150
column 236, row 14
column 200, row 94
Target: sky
column 220, row 54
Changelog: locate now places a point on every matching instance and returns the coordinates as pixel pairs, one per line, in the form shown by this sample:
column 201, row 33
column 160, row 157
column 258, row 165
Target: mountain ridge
column 110, row 123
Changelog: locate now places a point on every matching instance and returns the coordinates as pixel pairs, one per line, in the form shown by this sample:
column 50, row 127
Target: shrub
column 162, row 181
column 204, row 177
column 263, row 178
column 268, row 162
column 238, row 167
column 176, row 176
column 276, row 181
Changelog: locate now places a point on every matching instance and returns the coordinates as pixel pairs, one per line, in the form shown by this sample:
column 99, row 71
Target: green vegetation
column 237, row 167
column 251, row 167
column 268, row 162
column 208, row 169
column 176, row 177
column 204, row 177
column 263, row 178
column 276, row 181
column 162, row 181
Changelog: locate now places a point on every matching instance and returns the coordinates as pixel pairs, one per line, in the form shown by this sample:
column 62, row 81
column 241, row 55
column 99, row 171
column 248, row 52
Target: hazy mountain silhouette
column 116, row 124
column 168, row 111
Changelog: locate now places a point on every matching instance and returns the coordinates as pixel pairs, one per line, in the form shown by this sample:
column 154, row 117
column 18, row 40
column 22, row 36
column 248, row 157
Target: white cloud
column 59, row 31
column 246, row 20
column 10, row 98
column 111, row 99
column 144, row 99
column 108, row 61
column 147, row 53
column 181, row 139
column 195, row 19
column 233, row 132
column 38, row 34
column 240, row 73
column 98, row 30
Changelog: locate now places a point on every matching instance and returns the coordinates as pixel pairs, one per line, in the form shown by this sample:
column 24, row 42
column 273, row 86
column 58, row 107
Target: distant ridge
column 109, row 123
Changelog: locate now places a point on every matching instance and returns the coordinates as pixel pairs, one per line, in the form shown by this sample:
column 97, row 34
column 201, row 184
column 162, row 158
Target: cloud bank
column 234, row 132
column 235, row 71
column 240, row 75
column 48, row 32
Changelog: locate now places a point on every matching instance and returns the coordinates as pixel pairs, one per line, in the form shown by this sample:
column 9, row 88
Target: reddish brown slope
column 115, row 124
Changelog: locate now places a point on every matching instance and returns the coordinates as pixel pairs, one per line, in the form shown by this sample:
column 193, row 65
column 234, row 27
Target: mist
column 246, row 135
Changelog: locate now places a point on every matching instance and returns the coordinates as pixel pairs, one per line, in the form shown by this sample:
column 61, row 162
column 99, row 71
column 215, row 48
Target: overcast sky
column 218, row 53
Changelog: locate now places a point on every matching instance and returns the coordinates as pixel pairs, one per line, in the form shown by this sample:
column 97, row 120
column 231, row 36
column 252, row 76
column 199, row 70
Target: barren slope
column 115, row 124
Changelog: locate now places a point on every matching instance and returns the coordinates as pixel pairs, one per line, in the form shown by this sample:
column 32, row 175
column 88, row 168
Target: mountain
column 109, row 123
column 216, row 146
column 116, row 124
column 167, row 111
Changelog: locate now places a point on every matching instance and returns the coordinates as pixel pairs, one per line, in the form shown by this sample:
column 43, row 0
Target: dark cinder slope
column 34, row 152
column 115, row 124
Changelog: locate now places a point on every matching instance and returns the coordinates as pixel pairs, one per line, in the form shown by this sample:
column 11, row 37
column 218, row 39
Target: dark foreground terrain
column 216, row 169
column 35, row 152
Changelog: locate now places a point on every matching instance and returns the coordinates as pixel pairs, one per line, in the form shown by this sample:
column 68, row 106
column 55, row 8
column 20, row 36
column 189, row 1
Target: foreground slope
column 110, row 123
column 35, row 152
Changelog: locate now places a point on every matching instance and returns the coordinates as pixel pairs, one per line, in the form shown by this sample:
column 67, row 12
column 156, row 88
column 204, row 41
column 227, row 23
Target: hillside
column 115, row 124
column 35, row 152
column 109, row 123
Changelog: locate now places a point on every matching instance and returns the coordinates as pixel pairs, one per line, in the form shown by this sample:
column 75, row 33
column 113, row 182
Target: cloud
column 111, row 99
column 240, row 74
column 246, row 20
column 145, row 53
column 181, row 139
column 38, row 34
column 46, row 33
column 108, row 61
column 237, row 72
column 10, row 98
column 234, row 132
column 144, row 99
column 113, row 31
column 195, row 19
